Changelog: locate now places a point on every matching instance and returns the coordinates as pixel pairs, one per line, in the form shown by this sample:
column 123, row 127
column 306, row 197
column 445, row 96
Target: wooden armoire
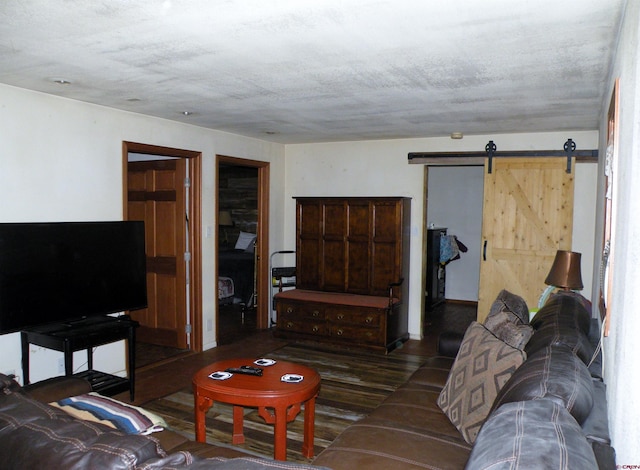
column 352, row 267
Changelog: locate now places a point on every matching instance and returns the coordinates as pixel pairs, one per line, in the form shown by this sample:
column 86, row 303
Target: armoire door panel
column 359, row 250
column 333, row 267
column 358, row 281
column 307, row 255
column 385, row 268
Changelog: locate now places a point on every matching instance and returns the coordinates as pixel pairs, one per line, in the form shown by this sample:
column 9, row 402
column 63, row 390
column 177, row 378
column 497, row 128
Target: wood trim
column 195, row 209
column 470, row 303
column 263, row 278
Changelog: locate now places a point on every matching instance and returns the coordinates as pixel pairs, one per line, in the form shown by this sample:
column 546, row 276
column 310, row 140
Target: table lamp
column 564, row 274
column 224, row 220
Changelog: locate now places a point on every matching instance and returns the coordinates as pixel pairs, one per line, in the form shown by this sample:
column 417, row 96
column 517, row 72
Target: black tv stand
column 86, row 333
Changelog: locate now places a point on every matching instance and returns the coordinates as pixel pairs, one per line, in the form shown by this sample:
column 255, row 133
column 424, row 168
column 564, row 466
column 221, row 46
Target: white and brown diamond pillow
column 483, row 365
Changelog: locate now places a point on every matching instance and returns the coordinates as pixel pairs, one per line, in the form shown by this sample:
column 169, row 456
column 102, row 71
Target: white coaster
column 264, row 362
column 292, row 378
column 220, row 375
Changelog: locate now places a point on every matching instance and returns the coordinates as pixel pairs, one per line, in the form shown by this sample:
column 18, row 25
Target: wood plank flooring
column 174, row 374
column 353, row 385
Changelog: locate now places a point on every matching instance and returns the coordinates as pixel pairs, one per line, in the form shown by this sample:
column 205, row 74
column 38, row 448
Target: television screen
column 54, row 272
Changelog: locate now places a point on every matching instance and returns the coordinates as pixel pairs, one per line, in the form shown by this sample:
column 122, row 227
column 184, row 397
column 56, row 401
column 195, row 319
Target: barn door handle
column 484, row 251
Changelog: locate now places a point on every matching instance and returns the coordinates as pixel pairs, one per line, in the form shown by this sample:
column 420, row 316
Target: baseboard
column 462, row 302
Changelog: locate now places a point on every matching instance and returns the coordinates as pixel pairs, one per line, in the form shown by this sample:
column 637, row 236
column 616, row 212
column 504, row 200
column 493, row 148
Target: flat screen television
column 64, row 271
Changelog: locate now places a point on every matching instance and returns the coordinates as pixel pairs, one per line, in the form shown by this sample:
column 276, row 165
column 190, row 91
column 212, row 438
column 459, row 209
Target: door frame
column 195, row 225
column 262, row 240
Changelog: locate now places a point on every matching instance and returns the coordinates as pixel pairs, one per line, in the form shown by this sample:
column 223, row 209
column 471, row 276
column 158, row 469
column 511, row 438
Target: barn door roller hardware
column 490, row 148
column 569, row 148
column 490, row 153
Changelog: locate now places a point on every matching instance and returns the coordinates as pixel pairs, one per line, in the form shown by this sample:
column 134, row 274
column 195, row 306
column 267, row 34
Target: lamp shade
column 224, row 219
column 565, row 271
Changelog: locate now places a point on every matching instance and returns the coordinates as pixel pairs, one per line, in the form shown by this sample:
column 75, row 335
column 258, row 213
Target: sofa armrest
column 57, row 388
column 449, row 343
column 605, row 456
column 596, row 426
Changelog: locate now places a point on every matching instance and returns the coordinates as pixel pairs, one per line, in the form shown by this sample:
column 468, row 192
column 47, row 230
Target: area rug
column 353, row 384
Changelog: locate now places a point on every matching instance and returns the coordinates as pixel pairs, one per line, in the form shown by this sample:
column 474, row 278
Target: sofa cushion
column 553, row 373
column 512, row 304
column 393, row 445
column 36, row 435
column 555, row 334
column 483, row 365
column 502, row 325
column 185, row 461
column 536, row 434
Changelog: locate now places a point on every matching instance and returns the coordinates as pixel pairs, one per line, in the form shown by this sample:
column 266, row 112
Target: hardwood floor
column 171, row 375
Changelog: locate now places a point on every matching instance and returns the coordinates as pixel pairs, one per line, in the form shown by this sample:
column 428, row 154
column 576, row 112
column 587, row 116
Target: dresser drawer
column 354, row 316
column 299, row 310
column 357, row 334
column 303, row 326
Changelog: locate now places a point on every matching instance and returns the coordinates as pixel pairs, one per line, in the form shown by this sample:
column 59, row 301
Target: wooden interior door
column 527, row 217
column 157, row 194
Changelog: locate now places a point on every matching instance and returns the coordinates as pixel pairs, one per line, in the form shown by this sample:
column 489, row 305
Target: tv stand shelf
column 86, row 334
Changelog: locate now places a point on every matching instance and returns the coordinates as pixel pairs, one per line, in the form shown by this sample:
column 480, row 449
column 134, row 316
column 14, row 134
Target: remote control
column 248, row 370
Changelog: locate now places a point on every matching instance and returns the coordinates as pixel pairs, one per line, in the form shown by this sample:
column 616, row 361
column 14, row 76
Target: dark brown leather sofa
column 34, row 434
column 551, row 413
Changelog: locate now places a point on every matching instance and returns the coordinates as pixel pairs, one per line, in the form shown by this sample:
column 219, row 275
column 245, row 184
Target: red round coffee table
column 278, row 402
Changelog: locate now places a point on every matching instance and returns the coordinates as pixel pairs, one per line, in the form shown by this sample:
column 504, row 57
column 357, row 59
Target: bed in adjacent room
column 236, row 271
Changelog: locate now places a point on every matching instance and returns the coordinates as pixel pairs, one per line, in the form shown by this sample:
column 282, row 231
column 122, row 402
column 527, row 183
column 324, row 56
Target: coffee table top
column 254, row 390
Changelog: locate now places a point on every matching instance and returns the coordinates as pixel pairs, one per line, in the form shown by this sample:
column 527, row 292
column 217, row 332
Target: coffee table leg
column 309, row 427
column 238, row 424
column 280, row 434
column 202, row 404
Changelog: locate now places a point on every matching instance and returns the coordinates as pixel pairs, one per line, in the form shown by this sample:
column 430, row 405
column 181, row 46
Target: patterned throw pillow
column 113, row 413
column 483, row 365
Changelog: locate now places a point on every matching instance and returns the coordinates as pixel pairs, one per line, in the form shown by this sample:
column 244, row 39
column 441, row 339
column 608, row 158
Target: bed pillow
column 113, row 413
column 483, row 365
column 245, row 240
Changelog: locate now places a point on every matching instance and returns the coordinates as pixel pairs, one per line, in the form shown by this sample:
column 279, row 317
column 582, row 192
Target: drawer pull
column 315, row 328
column 340, row 332
column 369, row 320
column 290, row 324
column 316, row 313
column 290, row 310
column 340, row 316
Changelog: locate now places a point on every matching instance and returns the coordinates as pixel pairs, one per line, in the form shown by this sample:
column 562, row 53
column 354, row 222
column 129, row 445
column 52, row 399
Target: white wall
column 381, row 168
column 622, row 371
column 61, row 160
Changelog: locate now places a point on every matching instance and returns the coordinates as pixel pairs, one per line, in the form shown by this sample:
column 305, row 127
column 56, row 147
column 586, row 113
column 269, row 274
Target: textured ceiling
column 323, row 70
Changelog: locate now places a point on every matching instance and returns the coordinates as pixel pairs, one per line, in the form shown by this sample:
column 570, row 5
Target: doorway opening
column 453, row 204
column 162, row 188
column 242, row 207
